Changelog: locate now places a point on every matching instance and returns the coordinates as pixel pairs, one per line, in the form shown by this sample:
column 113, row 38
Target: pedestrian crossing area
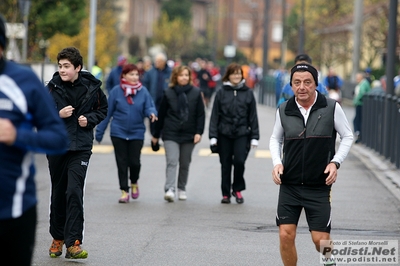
column 257, row 153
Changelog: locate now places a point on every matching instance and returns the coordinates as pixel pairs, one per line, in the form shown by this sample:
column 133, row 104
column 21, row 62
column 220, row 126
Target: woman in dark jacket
column 233, row 129
column 181, row 119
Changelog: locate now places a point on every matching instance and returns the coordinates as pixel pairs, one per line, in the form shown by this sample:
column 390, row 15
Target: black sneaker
column 238, row 196
column 226, row 200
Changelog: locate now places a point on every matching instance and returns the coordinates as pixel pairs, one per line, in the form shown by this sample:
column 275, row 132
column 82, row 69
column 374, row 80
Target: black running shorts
column 316, row 202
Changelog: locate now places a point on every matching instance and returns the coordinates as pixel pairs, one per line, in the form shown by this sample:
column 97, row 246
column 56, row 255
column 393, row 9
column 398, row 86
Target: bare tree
column 256, row 27
column 375, row 34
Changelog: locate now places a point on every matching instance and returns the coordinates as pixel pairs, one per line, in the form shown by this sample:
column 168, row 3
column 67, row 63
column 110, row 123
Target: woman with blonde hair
column 181, row 119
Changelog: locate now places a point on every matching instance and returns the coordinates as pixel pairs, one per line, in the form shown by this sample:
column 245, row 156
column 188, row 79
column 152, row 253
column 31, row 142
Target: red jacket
column 213, row 72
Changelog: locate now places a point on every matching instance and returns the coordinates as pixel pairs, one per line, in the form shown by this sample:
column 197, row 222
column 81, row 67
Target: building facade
column 137, row 18
column 238, row 23
column 338, row 41
column 241, row 23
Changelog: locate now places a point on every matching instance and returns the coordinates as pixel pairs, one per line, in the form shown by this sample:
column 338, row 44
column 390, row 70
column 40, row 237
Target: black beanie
column 305, row 67
column 2, row 32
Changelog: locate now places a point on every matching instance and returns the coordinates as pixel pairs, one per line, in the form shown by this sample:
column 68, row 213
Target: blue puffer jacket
column 127, row 119
column 113, row 78
column 150, row 82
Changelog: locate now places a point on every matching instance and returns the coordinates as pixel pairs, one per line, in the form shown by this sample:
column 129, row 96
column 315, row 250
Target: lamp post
column 283, row 42
column 390, row 73
column 43, row 45
column 24, row 7
column 92, row 35
column 357, row 28
column 265, row 38
column 230, row 49
column 391, row 47
column 301, row 33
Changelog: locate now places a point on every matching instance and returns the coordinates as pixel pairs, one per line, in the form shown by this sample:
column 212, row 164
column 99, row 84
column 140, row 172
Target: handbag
column 155, row 147
column 214, row 148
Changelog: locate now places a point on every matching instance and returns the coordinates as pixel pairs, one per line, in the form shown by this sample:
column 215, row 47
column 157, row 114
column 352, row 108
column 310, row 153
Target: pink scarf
column 130, row 89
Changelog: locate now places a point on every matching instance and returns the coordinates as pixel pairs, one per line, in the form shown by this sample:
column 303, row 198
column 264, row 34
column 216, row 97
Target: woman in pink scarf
column 129, row 103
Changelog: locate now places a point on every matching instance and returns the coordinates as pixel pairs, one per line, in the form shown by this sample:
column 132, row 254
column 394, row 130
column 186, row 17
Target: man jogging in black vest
column 306, row 125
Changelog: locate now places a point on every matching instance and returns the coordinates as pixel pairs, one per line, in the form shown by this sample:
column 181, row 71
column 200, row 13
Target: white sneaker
column 169, row 195
column 182, row 195
column 331, row 262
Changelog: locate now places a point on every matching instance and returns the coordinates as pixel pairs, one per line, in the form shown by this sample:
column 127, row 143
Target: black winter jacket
column 308, row 148
column 170, row 123
column 234, row 113
column 93, row 105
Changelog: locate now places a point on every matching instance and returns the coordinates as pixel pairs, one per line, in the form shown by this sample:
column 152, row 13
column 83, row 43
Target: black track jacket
column 93, row 105
column 234, row 114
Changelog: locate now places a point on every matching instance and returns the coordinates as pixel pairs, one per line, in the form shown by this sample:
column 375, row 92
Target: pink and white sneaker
column 134, row 191
column 124, row 197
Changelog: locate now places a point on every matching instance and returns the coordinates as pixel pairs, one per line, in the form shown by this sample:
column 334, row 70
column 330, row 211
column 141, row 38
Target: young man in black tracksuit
column 82, row 105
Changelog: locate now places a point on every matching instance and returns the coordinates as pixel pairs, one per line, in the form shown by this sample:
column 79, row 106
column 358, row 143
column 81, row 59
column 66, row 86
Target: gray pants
column 175, row 153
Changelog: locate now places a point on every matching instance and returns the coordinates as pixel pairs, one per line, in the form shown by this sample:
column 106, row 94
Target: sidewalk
column 386, row 172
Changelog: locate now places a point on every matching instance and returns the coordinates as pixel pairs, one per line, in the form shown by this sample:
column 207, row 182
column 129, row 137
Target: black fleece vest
column 308, row 148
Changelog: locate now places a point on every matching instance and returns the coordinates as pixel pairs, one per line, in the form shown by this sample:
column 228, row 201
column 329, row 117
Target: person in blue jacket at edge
column 156, row 80
column 287, row 91
column 29, row 123
column 115, row 73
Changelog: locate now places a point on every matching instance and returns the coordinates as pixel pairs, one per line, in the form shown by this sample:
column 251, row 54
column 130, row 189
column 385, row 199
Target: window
column 244, row 30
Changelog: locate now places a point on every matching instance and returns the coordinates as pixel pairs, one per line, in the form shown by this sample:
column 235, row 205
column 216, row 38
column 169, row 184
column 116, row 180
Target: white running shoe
column 169, row 195
column 182, row 195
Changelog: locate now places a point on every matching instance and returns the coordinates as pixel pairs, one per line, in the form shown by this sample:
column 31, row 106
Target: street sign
column 15, row 30
column 229, row 51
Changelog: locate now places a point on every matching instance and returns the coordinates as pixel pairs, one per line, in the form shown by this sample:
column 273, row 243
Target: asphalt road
column 201, row 230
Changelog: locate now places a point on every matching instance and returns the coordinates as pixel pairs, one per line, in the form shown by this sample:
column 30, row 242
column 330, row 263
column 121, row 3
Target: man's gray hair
column 160, row 56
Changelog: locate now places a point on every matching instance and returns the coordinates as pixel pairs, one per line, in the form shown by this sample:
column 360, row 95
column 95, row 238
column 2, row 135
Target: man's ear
column 79, row 68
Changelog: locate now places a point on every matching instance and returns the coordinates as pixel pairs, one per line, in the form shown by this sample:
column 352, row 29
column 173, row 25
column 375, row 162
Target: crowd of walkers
column 174, row 98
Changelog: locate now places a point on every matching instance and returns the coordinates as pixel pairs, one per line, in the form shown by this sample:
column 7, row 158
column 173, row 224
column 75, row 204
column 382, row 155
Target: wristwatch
column 337, row 164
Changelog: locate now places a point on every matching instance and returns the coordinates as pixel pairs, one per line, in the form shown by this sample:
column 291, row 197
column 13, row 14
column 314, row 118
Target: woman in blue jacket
column 128, row 104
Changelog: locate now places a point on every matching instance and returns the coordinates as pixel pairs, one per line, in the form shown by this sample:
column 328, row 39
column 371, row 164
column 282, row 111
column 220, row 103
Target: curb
column 385, row 171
